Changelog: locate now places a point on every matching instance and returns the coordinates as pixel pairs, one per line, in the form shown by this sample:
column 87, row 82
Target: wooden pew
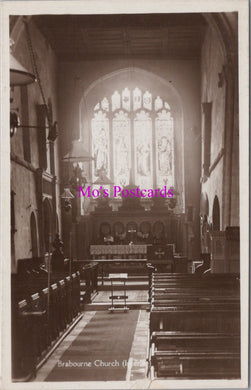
column 47, row 333
column 170, row 340
column 37, row 321
column 194, row 326
column 37, row 314
column 27, row 345
column 69, row 299
column 195, row 355
column 196, row 365
column 193, row 285
column 194, row 319
column 23, row 362
column 180, row 304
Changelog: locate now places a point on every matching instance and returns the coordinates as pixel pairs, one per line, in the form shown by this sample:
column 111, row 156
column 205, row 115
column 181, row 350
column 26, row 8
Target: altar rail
column 118, row 251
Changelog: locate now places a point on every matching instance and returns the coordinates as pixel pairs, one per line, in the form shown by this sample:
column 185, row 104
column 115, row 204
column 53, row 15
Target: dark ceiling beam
column 78, row 37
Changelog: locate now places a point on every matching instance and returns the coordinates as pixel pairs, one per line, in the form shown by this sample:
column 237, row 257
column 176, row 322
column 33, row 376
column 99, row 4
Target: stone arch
column 131, row 71
column 224, row 24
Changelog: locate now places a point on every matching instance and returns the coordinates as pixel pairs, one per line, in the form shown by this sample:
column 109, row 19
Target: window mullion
column 132, row 172
column 110, row 117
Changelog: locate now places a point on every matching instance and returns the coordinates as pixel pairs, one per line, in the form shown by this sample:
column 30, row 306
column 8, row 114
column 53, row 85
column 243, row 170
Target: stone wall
column 23, row 173
column 223, row 177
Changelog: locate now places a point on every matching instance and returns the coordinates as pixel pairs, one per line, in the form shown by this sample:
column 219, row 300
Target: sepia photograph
column 124, row 194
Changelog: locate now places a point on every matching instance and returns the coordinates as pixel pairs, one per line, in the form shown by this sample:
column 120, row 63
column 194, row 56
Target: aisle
column 101, row 350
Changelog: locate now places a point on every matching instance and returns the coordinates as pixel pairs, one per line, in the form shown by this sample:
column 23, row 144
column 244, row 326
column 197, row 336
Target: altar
column 118, row 251
column 134, row 258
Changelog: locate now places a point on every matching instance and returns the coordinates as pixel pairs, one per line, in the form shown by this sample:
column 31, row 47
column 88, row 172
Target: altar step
column 136, row 299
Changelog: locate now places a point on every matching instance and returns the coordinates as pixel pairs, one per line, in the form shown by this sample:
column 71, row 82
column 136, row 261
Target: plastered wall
column 23, row 172
column 224, row 157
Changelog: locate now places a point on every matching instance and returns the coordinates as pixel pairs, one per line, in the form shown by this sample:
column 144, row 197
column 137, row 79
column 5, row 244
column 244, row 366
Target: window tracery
column 137, row 129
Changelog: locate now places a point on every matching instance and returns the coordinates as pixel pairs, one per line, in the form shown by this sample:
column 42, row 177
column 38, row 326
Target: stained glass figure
column 143, row 150
column 100, row 143
column 121, row 148
column 164, row 149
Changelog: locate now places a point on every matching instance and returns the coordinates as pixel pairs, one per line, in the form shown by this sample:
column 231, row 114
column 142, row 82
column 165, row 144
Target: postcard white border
column 113, row 7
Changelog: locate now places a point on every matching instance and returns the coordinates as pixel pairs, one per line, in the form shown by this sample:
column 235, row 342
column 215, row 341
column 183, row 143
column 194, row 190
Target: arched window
column 216, row 214
column 132, row 136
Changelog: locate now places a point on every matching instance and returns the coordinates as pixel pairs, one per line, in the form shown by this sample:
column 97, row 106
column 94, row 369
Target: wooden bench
column 40, row 317
column 195, row 365
column 194, row 319
column 175, row 340
column 194, row 326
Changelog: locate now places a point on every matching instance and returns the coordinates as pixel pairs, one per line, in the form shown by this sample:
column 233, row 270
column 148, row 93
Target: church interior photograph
column 124, row 198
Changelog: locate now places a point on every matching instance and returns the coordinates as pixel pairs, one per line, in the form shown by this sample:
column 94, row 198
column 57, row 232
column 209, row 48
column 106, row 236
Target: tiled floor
column 137, row 364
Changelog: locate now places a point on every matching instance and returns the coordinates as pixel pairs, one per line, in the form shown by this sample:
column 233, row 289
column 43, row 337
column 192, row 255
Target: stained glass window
column 137, row 128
